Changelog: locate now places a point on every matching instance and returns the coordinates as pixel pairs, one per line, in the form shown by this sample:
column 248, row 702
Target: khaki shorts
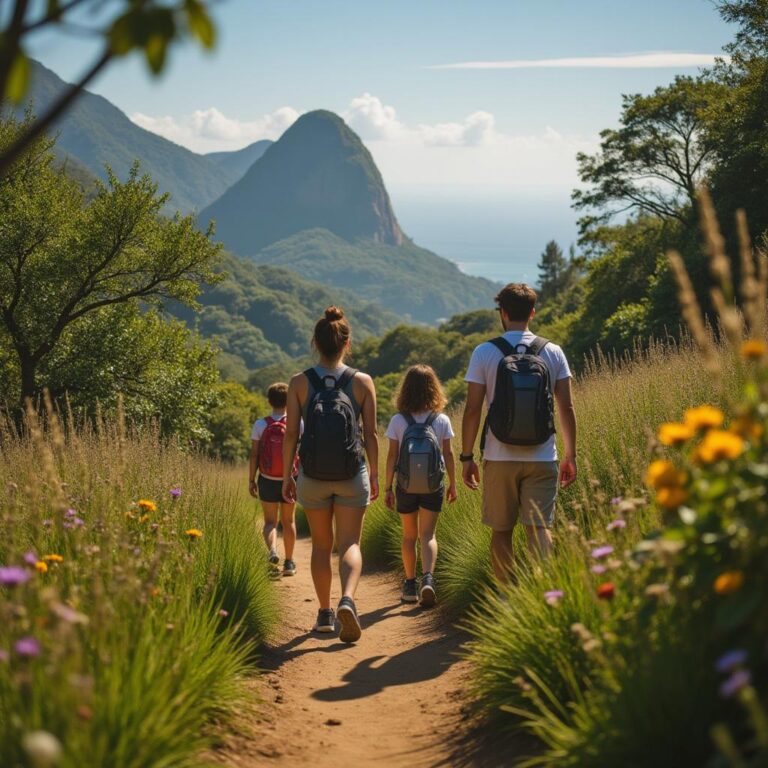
column 524, row 490
column 321, row 494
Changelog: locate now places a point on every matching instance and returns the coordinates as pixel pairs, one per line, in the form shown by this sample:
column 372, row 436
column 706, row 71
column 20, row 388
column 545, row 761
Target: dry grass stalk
column 714, row 244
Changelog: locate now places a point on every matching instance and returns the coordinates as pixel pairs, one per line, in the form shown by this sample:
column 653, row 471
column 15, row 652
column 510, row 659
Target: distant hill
column 239, row 161
column 96, row 133
column 316, row 203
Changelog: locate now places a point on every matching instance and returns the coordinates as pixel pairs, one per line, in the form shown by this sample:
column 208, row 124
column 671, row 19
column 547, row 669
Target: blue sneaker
column 410, row 591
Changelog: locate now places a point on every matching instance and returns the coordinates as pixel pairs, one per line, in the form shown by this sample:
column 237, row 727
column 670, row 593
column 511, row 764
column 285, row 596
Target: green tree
column 62, row 259
column 653, row 163
column 553, row 271
column 231, row 420
column 146, row 25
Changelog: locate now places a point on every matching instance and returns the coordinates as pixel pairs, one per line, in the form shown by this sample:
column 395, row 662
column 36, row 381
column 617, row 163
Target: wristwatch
column 466, row 457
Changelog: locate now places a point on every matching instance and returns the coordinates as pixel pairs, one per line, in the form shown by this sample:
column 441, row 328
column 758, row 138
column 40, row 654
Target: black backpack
column 331, row 448
column 420, row 465
column 522, row 411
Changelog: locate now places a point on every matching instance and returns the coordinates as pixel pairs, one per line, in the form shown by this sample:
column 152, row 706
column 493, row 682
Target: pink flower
column 553, row 596
column 12, row 575
column 27, row 646
column 617, row 523
column 175, row 492
column 600, row 552
column 598, row 569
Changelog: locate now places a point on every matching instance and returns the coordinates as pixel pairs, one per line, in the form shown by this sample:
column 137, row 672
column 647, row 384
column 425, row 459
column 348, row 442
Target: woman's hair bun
column 334, row 313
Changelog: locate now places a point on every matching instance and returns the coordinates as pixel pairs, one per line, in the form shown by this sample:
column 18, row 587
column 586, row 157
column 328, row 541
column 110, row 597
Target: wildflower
column 728, row 661
column 53, row 558
column 674, row 433
column 671, row 498
column 154, row 592
column 43, row 749
column 70, row 513
column 606, row 591
column 703, row 417
column 616, row 500
column 718, row 444
column 193, row 533
column 175, row 492
column 12, row 576
column 27, row 646
column 600, row 552
column 41, row 566
column 598, row 568
column 663, row 474
column 739, row 679
column 144, row 519
column 553, row 596
column 616, row 524
column 754, row 349
column 223, row 613
column 747, row 428
column 30, row 558
column 147, row 505
column 729, row 582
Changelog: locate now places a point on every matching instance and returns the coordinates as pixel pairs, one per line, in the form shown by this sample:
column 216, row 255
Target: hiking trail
column 392, row 699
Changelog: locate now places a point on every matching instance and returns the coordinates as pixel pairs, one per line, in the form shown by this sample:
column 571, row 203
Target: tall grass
column 127, row 643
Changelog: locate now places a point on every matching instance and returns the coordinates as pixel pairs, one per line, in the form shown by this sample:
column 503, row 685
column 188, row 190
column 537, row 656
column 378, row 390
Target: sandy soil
column 392, row 699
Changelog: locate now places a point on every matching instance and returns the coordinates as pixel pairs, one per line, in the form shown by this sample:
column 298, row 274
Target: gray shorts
column 321, row 494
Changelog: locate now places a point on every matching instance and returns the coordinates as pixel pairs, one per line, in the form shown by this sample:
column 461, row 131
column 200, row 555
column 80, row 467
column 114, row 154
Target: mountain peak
column 318, row 174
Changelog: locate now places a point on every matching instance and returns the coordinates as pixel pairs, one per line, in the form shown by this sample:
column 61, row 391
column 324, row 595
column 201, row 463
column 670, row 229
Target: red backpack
column 271, row 448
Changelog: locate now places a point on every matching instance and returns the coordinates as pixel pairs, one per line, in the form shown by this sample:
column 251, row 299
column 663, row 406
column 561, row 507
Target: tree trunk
column 28, row 366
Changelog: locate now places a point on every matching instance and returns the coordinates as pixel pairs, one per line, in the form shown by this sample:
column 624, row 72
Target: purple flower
column 27, row 646
column 12, row 575
column 731, row 659
column 600, row 552
column 598, row 569
column 617, row 523
column 554, row 596
column 616, row 500
column 30, row 558
column 739, row 679
column 74, row 522
column 70, row 513
column 175, row 493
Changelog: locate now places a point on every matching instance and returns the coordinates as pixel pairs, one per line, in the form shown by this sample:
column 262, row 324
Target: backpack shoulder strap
column 270, row 421
column 408, row 418
column 314, row 379
column 503, row 346
column 430, row 419
column 346, row 376
column 535, row 347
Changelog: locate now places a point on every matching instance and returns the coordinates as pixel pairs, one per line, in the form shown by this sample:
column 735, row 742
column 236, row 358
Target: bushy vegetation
column 133, row 598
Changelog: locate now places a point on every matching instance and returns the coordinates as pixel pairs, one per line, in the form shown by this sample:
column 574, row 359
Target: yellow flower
column 194, row 533
column 674, row 433
column 718, row 445
column 664, row 474
column 729, row 582
column 754, row 349
column 748, row 429
column 144, row 518
column 147, row 505
column 671, row 497
column 53, row 558
column 41, row 566
column 704, row 417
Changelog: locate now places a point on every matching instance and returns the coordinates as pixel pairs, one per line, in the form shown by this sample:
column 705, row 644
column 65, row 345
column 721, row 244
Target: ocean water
column 494, row 233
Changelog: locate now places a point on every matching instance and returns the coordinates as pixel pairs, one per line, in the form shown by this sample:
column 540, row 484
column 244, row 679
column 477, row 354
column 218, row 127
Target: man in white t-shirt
column 519, row 482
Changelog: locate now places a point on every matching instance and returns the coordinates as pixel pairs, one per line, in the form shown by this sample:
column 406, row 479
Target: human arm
column 470, row 425
column 370, row 437
column 566, row 416
column 392, row 452
column 291, row 438
column 450, row 468
column 253, row 466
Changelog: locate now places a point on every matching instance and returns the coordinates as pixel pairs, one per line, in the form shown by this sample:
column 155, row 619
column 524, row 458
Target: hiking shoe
column 289, row 567
column 326, row 621
column 274, row 565
column 410, row 591
column 427, row 594
column 350, row 624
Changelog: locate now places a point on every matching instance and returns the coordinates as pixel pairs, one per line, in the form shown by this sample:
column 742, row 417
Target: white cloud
column 650, row 60
column 476, row 130
column 209, row 130
column 373, row 119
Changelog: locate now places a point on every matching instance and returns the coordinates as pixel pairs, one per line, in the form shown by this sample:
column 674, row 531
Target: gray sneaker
column 410, row 591
column 289, row 567
column 428, row 597
column 326, row 621
column 350, row 624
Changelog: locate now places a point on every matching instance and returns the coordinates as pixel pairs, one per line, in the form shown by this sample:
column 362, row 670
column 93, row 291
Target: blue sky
column 505, row 132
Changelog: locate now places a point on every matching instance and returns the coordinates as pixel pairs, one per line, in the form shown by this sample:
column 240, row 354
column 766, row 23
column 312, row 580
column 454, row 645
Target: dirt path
column 393, row 699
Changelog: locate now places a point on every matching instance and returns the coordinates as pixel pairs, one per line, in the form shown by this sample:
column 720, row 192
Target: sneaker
column 274, row 564
column 427, row 594
column 410, row 591
column 289, row 567
column 350, row 624
column 326, row 621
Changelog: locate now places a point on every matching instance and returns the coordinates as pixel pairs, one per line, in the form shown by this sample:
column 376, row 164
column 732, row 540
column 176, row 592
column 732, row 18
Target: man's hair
column 277, row 394
column 517, row 300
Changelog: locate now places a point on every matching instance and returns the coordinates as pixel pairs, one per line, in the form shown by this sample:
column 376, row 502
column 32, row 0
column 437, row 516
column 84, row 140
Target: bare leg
column 539, row 540
column 349, row 528
column 502, row 555
column 427, row 525
column 321, row 529
column 408, row 546
column 288, row 520
column 269, row 531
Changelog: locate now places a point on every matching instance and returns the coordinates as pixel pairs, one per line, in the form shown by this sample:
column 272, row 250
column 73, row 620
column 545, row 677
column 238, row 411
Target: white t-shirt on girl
column 441, row 426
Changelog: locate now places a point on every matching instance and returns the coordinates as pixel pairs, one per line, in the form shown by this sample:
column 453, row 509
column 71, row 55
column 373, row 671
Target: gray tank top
column 335, row 372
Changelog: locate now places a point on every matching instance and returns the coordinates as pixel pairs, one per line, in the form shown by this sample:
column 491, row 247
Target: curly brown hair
column 420, row 390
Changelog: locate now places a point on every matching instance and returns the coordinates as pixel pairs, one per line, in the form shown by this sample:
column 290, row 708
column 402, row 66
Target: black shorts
column 412, row 502
column 270, row 490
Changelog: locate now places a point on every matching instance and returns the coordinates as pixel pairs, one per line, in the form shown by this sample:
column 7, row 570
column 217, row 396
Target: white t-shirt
column 482, row 370
column 441, row 426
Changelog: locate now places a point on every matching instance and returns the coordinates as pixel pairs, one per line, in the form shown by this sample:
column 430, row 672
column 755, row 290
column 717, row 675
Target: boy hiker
column 267, row 457
column 521, row 376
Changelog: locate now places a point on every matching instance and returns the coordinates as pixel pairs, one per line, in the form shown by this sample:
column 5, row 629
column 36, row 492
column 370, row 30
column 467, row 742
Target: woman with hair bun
column 338, row 407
